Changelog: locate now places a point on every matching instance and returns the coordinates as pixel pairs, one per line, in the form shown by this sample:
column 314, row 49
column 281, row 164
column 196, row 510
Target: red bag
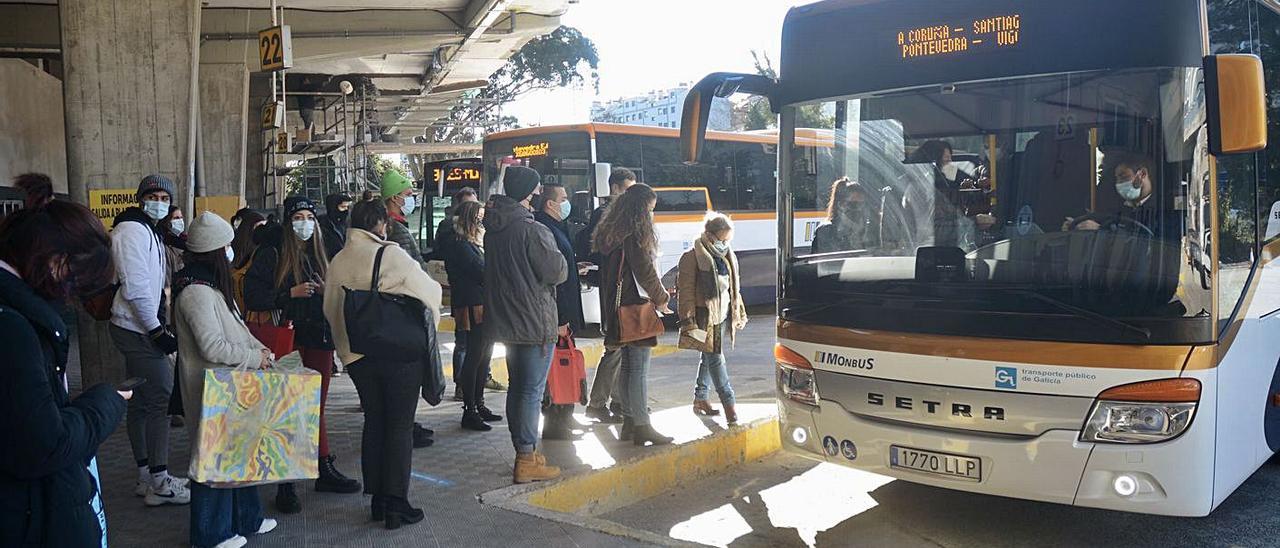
column 567, row 380
column 276, row 335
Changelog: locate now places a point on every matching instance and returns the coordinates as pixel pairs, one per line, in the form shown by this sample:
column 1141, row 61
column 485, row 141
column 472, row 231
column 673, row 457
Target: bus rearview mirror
column 602, row 172
column 696, row 111
column 1235, row 97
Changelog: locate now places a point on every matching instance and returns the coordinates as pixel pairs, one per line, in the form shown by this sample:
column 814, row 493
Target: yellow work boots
column 533, row 467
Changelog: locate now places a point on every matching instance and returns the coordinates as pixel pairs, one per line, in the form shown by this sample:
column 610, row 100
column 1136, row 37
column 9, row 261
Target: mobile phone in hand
column 130, row 384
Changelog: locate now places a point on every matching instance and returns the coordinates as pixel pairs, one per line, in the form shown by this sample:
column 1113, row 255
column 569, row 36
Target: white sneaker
column 268, row 525
column 170, row 491
column 143, row 487
column 233, row 542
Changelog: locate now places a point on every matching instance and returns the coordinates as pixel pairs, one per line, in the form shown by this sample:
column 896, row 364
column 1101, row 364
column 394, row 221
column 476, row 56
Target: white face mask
column 304, row 229
column 176, row 226
column 231, row 255
column 155, row 209
column 1127, row 191
column 565, row 209
column 409, row 206
column 950, row 170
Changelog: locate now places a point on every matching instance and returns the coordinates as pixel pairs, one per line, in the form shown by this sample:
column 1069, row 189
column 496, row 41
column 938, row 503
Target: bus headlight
column 1131, row 422
column 795, row 376
column 1144, row 412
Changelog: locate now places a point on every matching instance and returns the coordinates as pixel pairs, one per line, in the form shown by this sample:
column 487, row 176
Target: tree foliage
column 563, row 58
column 755, row 114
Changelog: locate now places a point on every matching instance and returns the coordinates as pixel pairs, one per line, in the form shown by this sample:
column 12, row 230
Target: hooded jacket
column 523, row 266
column 568, row 293
column 142, row 270
column 333, row 224
column 45, row 486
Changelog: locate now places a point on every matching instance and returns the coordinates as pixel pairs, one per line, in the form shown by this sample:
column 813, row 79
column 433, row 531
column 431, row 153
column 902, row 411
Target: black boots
column 640, row 435
column 422, row 436
column 397, row 512
column 486, row 415
column 377, row 508
column 628, row 430
column 287, row 499
column 332, row 481
column 472, row 420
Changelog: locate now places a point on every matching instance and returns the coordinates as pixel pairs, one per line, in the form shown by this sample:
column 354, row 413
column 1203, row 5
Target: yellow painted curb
column 591, row 352
column 633, row 481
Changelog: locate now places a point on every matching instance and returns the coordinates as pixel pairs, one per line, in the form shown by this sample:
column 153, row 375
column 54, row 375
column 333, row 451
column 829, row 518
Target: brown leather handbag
column 636, row 322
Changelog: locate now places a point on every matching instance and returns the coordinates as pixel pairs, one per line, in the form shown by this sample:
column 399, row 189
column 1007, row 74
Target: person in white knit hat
column 211, row 333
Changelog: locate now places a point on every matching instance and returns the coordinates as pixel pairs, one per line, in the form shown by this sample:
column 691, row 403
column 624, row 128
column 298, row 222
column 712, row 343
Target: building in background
column 659, row 108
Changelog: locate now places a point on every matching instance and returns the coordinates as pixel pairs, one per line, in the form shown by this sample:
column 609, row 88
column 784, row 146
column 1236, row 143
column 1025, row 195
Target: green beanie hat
column 393, row 183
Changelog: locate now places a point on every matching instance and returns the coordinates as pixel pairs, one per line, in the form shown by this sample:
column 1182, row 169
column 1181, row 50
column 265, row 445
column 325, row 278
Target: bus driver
column 1135, row 187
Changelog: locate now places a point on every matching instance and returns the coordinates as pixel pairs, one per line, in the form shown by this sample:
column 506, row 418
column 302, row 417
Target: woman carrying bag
column 211, row 334
column 388, row 386
column 291, row 279
column 710, row 301
column 466, row 284
column 632, row 296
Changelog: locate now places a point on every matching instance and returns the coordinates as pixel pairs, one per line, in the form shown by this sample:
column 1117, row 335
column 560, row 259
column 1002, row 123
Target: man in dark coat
column 552, row 208
column 333, row 224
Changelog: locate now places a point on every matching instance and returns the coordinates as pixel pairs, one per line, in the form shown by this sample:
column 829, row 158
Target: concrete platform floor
column 448, row 477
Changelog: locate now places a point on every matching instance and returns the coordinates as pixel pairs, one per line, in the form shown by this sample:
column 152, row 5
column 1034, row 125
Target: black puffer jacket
column 45, row 488
column 465, row 265
column 261, row 294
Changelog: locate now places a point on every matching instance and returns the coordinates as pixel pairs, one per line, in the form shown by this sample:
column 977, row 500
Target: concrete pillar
column 129, row 105
column 224, row 119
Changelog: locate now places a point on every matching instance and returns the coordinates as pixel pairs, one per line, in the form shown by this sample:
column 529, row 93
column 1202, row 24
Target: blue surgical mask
column 176, row 226
column 155, row 209
column 304, row 229
column 231, row 255
column 565, row 208
column 409, row 206
column 1127, row 191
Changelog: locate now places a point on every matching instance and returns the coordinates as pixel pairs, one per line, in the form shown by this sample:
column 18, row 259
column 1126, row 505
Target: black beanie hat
column 294, row 204
column 519, row 182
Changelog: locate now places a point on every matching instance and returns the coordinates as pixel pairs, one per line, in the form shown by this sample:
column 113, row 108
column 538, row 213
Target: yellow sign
column 273, row 115
column 275, row 48
column 108, row 202
column 282, row 142
column 527, row 151
column 984, row 33
column 224, row 206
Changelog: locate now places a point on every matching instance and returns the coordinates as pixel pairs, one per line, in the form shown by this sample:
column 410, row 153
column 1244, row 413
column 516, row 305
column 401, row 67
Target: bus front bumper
column 1171, row 478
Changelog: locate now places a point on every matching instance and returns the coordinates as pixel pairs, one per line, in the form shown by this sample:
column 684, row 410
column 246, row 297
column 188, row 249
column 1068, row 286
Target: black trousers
column 389, row 403
column 475, row 366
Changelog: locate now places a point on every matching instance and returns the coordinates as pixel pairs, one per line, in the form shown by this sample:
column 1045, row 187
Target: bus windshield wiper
column 1084, row 312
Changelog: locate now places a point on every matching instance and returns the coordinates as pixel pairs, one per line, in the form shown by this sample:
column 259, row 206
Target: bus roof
column 843, row 48
column 766, row 136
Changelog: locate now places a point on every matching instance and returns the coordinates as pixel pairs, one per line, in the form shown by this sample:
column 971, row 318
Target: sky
column 649, row 45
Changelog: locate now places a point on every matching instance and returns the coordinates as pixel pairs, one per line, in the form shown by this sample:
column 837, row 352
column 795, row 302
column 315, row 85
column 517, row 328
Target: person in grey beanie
column 523, row 266
column 139, row 329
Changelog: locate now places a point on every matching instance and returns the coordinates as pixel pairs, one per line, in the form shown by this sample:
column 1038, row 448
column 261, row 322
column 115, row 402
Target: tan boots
column 703, row 407
column 532, row 467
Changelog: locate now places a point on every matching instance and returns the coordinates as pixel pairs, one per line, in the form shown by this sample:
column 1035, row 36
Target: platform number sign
column 275, row 48
column 273, row 115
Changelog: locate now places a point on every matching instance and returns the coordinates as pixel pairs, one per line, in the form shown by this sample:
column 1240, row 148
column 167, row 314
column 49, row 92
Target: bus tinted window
column 737, row 175
column 562, row 158
column 681, row 200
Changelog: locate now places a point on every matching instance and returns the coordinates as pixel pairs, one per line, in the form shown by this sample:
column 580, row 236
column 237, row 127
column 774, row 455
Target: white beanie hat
column 209, row 232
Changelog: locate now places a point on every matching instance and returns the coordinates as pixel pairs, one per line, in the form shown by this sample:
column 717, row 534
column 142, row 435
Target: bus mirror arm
column 696, row 111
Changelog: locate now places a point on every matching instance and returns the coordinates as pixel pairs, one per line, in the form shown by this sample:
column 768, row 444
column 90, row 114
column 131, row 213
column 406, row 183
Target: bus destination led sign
column 987, row 33
column 457, row 174
column 529, row 151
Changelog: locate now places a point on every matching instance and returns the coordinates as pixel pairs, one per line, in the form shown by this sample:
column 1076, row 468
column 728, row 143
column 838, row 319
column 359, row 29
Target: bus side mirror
column 696, row 111
column 602, row 172
column 1235, row 95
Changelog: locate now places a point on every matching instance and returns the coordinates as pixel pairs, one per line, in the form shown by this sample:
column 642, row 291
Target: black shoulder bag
column 385, row 326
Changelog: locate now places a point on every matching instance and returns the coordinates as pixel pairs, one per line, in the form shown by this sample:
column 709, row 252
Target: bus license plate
column 942, row 464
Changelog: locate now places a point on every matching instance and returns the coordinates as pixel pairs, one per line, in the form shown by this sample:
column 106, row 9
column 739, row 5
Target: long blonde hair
column 291, row 250
column 628, row 216
column 468, row 223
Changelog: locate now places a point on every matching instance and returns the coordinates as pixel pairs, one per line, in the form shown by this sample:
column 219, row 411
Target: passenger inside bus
column 960, row 191
column 849, row 212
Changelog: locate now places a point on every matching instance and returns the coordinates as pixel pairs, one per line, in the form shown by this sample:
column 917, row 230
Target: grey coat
column 523, row 266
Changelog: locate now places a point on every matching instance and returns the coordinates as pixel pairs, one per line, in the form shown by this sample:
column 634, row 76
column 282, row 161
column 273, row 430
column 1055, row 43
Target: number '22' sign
column 275, row 48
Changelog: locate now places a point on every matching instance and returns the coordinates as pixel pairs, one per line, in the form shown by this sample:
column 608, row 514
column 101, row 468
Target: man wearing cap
column 138, row 329
column 523, row 266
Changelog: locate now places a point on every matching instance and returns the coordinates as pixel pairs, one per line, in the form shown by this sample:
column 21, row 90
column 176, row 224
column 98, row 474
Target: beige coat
column 209, row 336
column 353, row 267
column 697, row 296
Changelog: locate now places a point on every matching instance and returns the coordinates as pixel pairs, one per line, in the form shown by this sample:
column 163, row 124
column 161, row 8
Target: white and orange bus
column 737, row 176
column 1107, row 334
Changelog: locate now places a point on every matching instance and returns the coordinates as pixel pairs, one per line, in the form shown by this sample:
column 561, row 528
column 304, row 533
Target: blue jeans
column 712, row 371
column 527, row 367
column 219, row 514
column 634, row 380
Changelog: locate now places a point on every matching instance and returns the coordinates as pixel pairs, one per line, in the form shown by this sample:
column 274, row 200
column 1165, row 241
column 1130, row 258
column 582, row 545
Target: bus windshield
column 1067, row 207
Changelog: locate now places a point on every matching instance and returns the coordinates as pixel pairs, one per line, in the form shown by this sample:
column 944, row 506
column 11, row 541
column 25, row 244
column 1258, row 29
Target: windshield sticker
column 1273, row 222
